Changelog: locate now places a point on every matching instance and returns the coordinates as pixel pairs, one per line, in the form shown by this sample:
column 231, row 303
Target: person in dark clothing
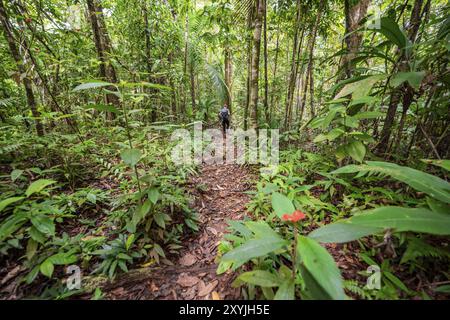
column 224, row 116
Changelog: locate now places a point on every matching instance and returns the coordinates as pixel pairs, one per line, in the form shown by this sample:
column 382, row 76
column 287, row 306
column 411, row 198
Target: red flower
column 294, row 217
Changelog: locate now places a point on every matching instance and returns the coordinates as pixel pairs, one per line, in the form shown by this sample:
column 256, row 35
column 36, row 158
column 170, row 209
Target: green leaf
column 102, row 107
column 264, row 242
column 92, row 85
column 330, row 136
column 47, row 268
column 341, row 232
column 159, row 219
column 11, row 224
column 63, row 258
column 390, row 29
column 16, row 174
column 153, row 195
column 38, row 186
column 36, row 235
column 286, row 291
column 321, row 266
column 376, row 220
column 44, row 224
column 130, row 241
column 360, row 88
column 356, row 150
column 8, row 201
column 445, row 164
column 438, row 206
column 421, row 181
column 131, row 156
column 413, row 78
column 368, row 115
column 282, row 205
column 32, row 246
column 260, row 278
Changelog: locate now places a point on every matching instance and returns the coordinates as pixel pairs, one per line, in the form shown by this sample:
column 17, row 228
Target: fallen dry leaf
column 188, row 260
column 185, row 280
column 215, row 296
column 204, row 290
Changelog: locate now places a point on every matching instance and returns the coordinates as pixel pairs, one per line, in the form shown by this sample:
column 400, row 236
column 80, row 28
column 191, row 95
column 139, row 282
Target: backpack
column 224, row 114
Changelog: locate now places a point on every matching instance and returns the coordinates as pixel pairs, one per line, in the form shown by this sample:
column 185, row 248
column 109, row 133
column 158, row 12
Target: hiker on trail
column 224, row 116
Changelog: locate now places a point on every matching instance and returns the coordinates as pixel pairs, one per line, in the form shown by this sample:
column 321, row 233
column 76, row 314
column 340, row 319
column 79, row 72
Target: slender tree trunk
column 249, row 77
column 311, row 55
column 405, row 91
column 192, row 81
column 254, row 82
column 27, row 83
column 277, row 50
column 266, row 76
column 228, row 77
column 293, row 73
column 103, row 47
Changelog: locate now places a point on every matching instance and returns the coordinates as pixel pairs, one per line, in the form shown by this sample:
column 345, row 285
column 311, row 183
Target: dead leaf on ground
column 187, row 281
column 188, row 260
column 204, row 290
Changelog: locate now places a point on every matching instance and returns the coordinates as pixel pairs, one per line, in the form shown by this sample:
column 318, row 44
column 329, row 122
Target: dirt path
column 219, row 196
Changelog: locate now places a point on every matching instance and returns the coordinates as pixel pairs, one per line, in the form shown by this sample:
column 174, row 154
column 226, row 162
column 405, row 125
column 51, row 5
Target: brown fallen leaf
column 212, row 230
column 204, row 290
column 188, row 260
column 14, row 272
column 215, row 296
column 185, row 280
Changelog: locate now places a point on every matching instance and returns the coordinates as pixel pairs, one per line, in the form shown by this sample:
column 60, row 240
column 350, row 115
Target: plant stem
column 127, row 127
column 294, row 253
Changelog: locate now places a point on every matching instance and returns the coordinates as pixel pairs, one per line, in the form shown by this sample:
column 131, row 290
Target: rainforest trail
column 219, row 193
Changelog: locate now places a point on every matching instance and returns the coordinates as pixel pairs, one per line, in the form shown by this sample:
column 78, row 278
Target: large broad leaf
column 413, row 78
column 286, row 291
column 131, row 156
column 390, row 29
column 321, row 266
column 38, row 186
column 8, row 201
column 11, row 224
column 341, row 232
column 282, row 205
column 260, row 278
column 356, row 150
column 92, row 85
column 330, row 136
column 264, row 242
column 47, row 268
column 44, row 224
column 421, row 181
column 361, row 88
column 377, row 220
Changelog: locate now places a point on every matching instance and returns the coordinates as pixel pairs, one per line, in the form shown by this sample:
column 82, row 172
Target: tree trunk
column 228, row 77
column 277, row 49
column 103, row 47
column 192, row 81
column 266, row 76
column 254, row 81
column 27, row 83
column 309, row 71
column 405, row 90
column 355, row 11
column 293, row 73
